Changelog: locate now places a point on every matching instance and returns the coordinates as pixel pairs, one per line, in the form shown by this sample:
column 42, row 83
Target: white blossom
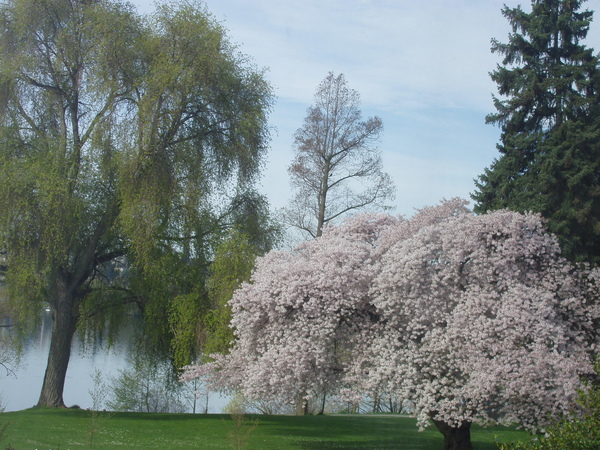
column 466, row 318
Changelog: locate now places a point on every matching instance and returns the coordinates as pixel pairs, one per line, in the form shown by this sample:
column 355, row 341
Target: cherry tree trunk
column 63, row 328
column 455, row 438
column 301, row 406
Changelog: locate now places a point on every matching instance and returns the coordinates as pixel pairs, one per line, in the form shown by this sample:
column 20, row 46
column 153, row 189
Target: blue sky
column 423, row 67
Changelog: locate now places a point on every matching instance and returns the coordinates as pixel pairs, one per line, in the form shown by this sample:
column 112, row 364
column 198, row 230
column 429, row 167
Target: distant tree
column 9, row 355
column 337, row 168
column 148, row 385
column 129, row 147
column 470, row 318
column 550, row 118
column 9, row 350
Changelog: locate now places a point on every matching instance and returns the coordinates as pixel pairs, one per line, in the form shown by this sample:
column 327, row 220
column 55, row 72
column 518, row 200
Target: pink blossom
column 468, row 318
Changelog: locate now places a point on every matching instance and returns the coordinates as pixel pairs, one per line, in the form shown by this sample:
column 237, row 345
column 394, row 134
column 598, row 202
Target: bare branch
column 336, row 156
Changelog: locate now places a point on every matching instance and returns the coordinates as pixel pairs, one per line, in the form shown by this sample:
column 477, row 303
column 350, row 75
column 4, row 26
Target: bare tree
column 337, row 166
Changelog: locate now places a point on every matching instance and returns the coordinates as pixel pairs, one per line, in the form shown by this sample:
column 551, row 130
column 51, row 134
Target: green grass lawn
column 71, row 429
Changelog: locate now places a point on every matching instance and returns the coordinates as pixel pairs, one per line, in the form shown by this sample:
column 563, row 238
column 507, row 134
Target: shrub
column 578, row 431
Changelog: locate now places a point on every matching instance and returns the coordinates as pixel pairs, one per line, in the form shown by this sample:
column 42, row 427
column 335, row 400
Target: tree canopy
column 129, row 147
column 337, row 168
column 467, row 318
column 548, row 86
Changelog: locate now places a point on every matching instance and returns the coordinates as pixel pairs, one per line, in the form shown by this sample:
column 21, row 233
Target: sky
column 422, row 67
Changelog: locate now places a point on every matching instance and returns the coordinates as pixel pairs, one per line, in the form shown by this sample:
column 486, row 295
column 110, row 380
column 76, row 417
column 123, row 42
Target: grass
column 45, row 429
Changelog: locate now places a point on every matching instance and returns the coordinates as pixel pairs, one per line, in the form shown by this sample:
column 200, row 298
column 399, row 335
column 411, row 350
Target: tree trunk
column 455, row 438
column 322, row 410
column 301, row 406
column 63, row 328
column 322, row 200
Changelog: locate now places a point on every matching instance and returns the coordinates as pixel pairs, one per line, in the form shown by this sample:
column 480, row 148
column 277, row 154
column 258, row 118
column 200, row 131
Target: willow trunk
column 63, row 329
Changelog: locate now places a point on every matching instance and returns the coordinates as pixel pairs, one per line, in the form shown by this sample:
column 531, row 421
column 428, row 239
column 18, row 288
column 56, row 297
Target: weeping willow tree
column 129, row 145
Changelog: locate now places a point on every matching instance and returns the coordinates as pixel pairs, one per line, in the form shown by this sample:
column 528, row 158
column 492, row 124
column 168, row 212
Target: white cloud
column 398, row 54
column 422, row 66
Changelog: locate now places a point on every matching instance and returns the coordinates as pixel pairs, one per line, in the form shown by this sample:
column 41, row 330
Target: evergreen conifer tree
column 549, row 115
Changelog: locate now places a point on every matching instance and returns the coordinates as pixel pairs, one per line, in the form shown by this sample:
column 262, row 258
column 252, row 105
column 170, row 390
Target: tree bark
column 63, row 328
column 301, row 406
column 455, row 438
column 322, row 200
column 322, row 410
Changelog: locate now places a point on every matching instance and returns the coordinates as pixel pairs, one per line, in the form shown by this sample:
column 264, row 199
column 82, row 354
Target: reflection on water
column 22, row 391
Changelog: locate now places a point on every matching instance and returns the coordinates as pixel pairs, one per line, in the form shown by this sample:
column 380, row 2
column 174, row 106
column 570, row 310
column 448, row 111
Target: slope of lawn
column 44, row 429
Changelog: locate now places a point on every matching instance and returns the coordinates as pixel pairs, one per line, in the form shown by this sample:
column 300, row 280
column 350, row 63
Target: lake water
column 22, row 390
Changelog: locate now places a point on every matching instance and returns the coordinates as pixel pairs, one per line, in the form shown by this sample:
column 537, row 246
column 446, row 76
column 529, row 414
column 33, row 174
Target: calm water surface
column 22, row 390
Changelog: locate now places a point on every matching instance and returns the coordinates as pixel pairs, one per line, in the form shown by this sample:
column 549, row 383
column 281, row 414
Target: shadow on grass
column 372, row 432
column 178, row 431
column 349, row 432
